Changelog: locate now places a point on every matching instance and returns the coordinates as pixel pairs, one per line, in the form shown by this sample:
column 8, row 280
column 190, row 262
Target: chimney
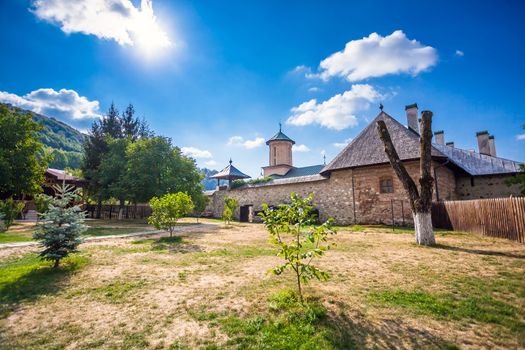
column 483, row 142
column 440, row 137
column 450, row 144
column 492, row 146
column 412, row 121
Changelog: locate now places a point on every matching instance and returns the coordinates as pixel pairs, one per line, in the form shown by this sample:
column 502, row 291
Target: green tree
column 299, row 240
column 61, row 225
column 518, row 179
column 230, row 205
column 156, row 168
column 169, row 209
column 10, row 210
column 201, row 202
column 113, row 173
column 21, row 172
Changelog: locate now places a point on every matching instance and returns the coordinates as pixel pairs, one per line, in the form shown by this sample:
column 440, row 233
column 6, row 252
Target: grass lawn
column 211, row 290
column 23, row 232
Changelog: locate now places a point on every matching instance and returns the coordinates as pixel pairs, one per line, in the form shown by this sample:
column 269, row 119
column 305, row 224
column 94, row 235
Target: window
column 386, row 185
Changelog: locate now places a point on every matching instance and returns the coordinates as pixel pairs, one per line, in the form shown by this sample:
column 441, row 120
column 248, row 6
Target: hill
column 61, row 141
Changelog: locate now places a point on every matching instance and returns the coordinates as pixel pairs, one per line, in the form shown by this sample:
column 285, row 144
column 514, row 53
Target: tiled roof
column 230, row 173
column 297, row 172
column 280, row 136
column 367, row 149
column 476, row 164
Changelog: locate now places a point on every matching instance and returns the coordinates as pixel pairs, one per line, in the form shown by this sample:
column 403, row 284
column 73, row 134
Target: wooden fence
column 497, row 217
column 110, row 212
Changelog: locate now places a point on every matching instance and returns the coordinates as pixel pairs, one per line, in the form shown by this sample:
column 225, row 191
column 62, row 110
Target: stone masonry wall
column 334, row 195
column 485, row 187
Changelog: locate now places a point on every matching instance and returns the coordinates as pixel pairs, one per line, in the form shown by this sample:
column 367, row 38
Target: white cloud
column 195, row 152
column 339, row 111
column 376, row 56
column 62, row 104
column 300, row 148
column 248, row 144
column 117, row 20
column 314, row 89
column 342, row 144
column 459, row 53
column 520, row 137
column 210, row 163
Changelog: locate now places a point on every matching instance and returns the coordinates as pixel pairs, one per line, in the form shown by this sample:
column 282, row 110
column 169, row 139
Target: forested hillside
column 62, row 142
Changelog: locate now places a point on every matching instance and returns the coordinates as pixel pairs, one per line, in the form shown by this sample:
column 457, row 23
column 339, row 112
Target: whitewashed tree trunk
column 423, row 227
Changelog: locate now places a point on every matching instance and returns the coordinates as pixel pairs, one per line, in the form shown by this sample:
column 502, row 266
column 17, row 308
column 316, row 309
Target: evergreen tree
column 112, row 123
column 130, row 124
column 61, row 225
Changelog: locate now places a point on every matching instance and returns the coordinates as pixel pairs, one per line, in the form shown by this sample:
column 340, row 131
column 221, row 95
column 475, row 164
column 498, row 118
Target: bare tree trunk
column 423, row 227
column 57, row 263
column 420, row 202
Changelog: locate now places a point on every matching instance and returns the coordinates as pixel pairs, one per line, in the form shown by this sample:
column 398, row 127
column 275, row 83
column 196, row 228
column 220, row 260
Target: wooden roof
column 367, row 148
column 230, row 173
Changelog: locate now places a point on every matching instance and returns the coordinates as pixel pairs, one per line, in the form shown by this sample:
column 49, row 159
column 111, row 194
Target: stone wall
column 485, row 187
column 334, row 196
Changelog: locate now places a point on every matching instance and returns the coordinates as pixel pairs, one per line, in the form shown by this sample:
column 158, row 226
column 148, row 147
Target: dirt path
column 180, row 229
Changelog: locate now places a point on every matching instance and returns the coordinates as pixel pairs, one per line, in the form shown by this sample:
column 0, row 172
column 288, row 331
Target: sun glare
column 148, row 35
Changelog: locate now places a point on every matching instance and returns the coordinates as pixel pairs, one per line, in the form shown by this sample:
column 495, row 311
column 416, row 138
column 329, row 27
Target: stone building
column 359, row 185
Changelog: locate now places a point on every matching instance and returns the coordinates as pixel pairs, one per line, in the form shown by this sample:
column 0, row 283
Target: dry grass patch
column 210, row 289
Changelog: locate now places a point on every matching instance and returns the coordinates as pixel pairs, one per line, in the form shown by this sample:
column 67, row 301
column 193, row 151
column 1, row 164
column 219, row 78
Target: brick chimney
column 412, row 122
column 440, row 137
column 450, row 144
column 492, row 146
column 483, row 142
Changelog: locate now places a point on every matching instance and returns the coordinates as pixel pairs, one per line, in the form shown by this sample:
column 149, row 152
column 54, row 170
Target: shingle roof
column 280, row 136
column 477, row 164
column 230, row 173
column 367, row 148
column 297, row 172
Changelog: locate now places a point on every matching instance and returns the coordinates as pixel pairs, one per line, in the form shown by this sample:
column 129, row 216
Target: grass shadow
column 27, row 278
column 175, row 244
column 479, row 251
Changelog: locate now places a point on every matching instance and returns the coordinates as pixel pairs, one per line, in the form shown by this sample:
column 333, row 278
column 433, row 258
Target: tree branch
column 397, row 165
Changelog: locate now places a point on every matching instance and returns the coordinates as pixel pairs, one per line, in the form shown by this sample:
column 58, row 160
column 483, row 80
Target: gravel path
column 180, row 229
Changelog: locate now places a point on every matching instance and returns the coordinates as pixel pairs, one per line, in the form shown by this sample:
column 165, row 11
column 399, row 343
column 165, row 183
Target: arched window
column 386, row 185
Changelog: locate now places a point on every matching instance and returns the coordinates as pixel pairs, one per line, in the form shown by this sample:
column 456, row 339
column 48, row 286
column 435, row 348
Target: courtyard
column 209, row 287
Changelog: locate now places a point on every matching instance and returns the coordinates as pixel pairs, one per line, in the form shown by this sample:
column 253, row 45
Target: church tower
column 280, row 154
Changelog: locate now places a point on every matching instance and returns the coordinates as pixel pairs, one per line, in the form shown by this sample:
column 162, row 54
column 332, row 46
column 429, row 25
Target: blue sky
column 218, row 76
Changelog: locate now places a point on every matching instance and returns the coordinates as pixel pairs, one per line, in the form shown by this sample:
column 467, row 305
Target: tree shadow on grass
column 32, row 280
column 479, row 251
column 360, row 333
column 173, row 244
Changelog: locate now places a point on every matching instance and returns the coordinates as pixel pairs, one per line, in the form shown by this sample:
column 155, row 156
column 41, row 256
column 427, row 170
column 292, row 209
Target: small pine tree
column 230, row 205
column 61, row 225
column 168, row 209
column 299, row 240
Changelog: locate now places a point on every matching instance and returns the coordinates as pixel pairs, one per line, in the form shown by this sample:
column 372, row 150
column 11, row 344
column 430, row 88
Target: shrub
column 230, row 205
column 168, row 209
column 61, row 225
column 10, row 210
column 294, row 232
